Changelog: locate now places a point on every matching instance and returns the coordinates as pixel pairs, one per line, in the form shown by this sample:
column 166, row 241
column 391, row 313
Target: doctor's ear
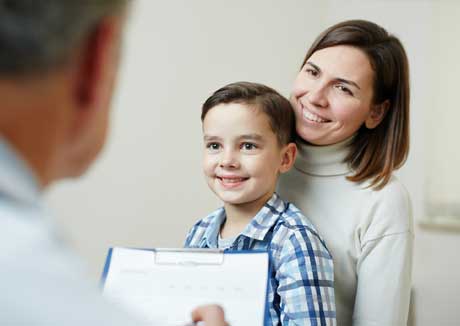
column 98, row 63
column 376, row 114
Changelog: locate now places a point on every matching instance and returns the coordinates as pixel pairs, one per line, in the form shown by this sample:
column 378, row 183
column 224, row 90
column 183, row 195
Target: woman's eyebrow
column 349, row 82
column 313, row 65
column 342, row 80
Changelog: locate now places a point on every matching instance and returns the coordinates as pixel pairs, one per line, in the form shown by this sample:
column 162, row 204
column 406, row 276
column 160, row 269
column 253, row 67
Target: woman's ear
column 289, row 154
column 376, row 114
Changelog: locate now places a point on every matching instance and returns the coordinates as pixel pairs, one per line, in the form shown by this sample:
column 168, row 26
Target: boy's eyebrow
column 342, row 80
column 210, row 138
column 247, row 136
column 252, row 137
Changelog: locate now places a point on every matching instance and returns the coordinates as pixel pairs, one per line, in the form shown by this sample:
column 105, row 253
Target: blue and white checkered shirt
column 301, row 289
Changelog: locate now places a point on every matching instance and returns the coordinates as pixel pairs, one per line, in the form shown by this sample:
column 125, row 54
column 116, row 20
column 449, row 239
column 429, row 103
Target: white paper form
column 163, row 286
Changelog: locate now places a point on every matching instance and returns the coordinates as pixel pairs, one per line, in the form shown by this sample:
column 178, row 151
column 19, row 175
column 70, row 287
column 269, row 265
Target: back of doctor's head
column 39, row 35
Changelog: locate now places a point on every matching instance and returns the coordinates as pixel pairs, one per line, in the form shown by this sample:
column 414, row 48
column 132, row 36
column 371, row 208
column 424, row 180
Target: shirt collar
column 257, row 229
column 265, row 218
column 17, row 180
column 211, row 234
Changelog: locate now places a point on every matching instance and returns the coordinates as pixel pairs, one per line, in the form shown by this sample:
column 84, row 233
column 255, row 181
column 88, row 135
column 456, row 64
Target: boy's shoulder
column 294, row 226
column 292, row 218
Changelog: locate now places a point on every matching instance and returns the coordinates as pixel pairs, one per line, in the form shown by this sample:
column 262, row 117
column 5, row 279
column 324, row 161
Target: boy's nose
column 229, row 160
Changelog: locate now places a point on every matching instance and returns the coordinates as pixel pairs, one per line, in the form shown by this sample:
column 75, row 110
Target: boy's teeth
column 313, row 117
column 232, row 180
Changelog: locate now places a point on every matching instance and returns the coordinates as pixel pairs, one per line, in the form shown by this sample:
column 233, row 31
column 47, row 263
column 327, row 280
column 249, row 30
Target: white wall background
column 147, row 189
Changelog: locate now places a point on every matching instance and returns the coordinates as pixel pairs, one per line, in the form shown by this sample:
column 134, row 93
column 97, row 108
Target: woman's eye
column 248, row 146
column 213, row 146
column 312, row 72
column 345, row 89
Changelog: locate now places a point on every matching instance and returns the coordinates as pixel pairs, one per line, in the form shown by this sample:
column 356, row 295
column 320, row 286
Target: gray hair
column 38, row 35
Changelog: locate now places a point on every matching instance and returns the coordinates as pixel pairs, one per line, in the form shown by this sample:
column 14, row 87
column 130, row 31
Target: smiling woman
column 332, row 95
column 351, row 99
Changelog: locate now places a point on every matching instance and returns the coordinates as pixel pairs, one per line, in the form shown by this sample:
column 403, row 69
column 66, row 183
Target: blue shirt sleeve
column 304, row 271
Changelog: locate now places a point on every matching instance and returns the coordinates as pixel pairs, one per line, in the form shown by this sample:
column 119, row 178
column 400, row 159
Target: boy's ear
column 289, row 154
column 377, row 114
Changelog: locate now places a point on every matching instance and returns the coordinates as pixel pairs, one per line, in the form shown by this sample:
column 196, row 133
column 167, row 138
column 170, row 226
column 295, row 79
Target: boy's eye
column 248, row 146
column 213, row 146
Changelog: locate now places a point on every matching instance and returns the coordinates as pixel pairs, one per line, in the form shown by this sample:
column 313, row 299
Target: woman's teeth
column 313, row 117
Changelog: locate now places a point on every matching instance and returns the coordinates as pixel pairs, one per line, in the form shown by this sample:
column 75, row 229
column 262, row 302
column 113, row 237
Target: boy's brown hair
column 277, row 108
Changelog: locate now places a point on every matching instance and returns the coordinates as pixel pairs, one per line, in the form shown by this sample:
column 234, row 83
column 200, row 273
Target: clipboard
column 162, row 286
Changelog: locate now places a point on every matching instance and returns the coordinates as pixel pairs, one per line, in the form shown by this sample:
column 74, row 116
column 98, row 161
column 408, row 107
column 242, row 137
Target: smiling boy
column 248, row 132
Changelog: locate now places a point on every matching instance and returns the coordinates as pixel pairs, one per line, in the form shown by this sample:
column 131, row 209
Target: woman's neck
column 325, row 160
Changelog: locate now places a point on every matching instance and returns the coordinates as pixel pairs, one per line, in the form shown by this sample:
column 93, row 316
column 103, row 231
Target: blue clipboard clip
column 191, row 257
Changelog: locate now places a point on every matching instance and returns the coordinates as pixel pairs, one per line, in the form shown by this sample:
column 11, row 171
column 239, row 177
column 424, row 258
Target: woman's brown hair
column 376, row 153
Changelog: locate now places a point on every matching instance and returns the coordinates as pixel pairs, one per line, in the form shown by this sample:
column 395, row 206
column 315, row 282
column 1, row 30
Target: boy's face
column 242, row 157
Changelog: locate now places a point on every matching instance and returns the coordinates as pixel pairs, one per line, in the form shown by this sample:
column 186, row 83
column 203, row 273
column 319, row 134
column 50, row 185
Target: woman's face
column 332, row 95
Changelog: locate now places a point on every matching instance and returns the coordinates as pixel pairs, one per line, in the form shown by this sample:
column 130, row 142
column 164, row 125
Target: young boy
column 248, row 132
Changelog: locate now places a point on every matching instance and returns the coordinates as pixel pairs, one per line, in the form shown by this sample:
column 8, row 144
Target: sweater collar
column 323, row 160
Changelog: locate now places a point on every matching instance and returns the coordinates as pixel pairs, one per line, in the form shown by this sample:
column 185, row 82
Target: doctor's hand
column 210, row 315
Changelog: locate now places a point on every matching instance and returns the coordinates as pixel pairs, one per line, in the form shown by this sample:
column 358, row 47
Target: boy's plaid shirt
column 301, row 289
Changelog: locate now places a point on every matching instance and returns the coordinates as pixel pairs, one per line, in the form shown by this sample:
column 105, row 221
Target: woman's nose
column 317, row 95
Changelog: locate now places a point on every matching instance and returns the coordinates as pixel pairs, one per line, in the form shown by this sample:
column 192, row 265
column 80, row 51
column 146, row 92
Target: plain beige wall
column 147, row 188
column 436, row 261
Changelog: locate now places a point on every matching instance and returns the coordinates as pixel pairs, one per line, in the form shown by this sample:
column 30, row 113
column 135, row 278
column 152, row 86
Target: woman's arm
column 384, row 266
column 384, row 282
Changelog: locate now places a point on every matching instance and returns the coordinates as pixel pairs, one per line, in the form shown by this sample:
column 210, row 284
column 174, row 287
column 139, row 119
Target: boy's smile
column 230, row 181
column 242, row 156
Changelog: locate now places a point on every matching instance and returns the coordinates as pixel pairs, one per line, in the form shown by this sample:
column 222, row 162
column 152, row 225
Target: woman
column 351, row 99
